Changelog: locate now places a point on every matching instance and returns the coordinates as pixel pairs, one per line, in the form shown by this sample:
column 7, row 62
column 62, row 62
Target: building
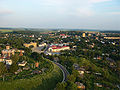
column 18, row 71
column 89, row 34
column 113, row 43
column 7, row 47
column 80, row 85
column 76, row 66
column 8, row 62
column 8, row 52
column 64, row 35
column 99, row 58
column 74, row 47
column 83, row 35
column 37, row 64
column 32, row 36
column 21, row 52
column 98, row 84
column 36, row 72
column 30, row 44
column 2, row 59
column 112, row 38
column 23, row 63
column 43, row 44
column 55, row 48
column 96, row 38
column 81, row 71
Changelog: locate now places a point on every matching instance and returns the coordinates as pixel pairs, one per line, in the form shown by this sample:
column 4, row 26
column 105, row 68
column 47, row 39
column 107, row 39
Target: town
column 73, row 60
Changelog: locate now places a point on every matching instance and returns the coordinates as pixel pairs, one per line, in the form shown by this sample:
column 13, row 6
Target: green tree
column 15, row 58
column 3, row 70
column 31, row 46
column 22, row 58
column 118, row 65
column 75, row 73
column 36, row 56
column 71, row 86
column 61, row 86
column 71, row 78
column 14, row 66
column 28, row 51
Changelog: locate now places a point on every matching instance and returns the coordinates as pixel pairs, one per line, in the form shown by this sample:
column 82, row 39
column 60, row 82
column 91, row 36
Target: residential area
column 87, row 59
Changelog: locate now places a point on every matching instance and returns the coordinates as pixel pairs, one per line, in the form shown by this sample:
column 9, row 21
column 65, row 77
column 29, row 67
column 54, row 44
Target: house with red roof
column 55, row 48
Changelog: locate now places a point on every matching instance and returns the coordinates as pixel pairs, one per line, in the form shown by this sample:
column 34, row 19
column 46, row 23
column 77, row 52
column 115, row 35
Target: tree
column 118, row 66
column 36, row 56
column 14, row 66
column 71, row 86
column 3, row 70
column 24, row 58
column 27, row 51
column 31, row 46
column 15, row 58
column 75, row 73
column 61, row 86
column 71, row 78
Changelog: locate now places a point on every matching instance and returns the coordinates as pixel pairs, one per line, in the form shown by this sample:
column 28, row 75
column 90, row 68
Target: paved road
column 64, row 70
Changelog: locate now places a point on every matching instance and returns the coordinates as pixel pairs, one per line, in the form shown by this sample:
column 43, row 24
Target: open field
column 3, row 31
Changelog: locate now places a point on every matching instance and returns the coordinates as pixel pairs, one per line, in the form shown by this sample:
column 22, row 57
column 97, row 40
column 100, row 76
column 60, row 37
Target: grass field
column 4, row 31
column 45, row 81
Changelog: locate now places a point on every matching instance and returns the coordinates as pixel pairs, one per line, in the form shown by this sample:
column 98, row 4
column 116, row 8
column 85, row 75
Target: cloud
column 87, row 7
column 99, row 1
column 5, row 12
column 76, row 8
column 55, row 13
column 114, row 13
column 64, row 7
column 83, row 12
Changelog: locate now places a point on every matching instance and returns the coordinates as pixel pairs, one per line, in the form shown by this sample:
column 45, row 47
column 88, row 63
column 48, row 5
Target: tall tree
column 15, row 58
column 71, row 86
column 3, row 70
column 61, row 86
column 14, row 66
column 71, row 78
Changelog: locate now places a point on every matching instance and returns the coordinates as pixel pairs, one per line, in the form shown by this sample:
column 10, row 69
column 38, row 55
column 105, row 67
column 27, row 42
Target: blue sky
column 81, row 14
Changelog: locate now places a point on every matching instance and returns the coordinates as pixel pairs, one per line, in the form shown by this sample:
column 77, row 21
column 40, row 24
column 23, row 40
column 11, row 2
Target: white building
column 23, row 63
column 54, row 48
column 43, row 44
column 2, row 59
column 8, row 62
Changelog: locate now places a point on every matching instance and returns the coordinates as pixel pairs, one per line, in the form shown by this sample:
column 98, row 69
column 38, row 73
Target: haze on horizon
column 81, row 14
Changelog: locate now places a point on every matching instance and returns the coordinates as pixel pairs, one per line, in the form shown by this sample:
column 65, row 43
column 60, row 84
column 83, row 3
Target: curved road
column 64, row 70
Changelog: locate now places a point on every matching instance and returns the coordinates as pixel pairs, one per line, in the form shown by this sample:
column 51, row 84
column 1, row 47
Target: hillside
column 45, row 81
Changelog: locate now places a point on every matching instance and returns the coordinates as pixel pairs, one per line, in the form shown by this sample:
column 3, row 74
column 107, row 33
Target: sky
column 71, row 14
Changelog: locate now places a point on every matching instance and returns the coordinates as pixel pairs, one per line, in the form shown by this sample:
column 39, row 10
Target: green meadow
column 5, row 30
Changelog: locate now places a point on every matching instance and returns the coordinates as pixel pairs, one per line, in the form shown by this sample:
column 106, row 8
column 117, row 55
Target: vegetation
column 4, row 31
column 99, row 59
column 45, row 81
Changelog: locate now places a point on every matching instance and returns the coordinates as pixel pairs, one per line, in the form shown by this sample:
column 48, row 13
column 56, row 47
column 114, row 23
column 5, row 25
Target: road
column 64, row 70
